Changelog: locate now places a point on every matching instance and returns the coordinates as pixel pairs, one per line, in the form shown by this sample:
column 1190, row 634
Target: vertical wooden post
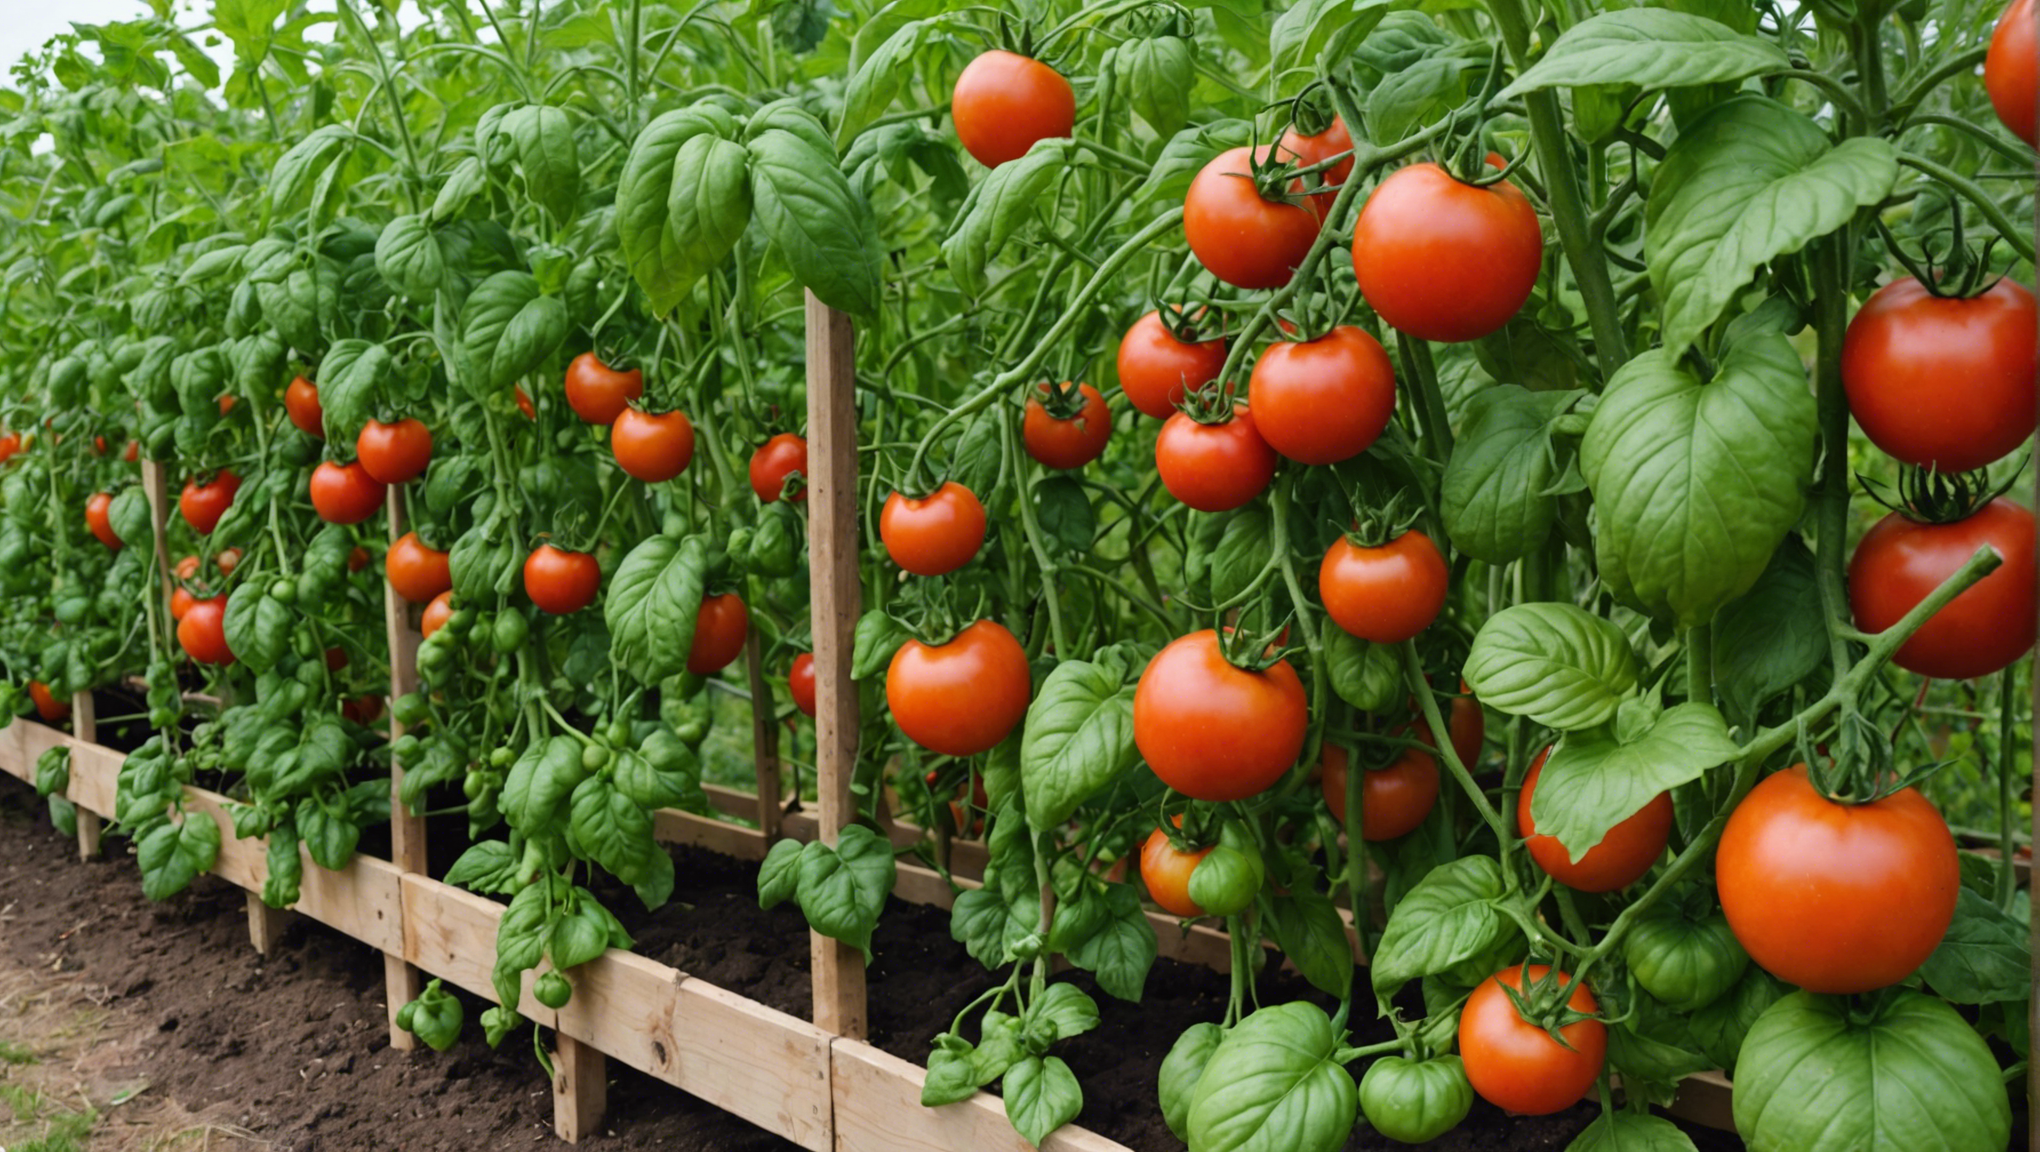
column 401, row 982
column 155, row 485
column 580, row 1088
column 85, row 726
column 837, row 969
column 265, row 924
column 764, row 738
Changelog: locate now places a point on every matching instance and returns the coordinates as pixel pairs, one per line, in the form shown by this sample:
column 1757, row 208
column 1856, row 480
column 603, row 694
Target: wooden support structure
column 85, row 726
column 837, row 969
column 580, row 1089
column 764, row 739
column 401, row 982
column 265, row 924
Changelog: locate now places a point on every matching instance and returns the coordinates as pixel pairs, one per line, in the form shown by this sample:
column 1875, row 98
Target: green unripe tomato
column 619, row 733
column 283, row 591
column 593, row 757
column 1415, row 1101
column 552, row 990
column 472, row 784
column 410, row 709
column 510, row 632
column 407, row 1015
column 501, row 757
column 1226, row 881
column 305, row 644
column 1686, row 963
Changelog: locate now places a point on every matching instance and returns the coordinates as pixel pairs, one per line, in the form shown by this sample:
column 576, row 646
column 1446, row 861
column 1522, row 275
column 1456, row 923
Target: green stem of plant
column 2020, row 240
column 1830, row 319
column 1700, row 664
column 1427, row 702
column 1424, row 371
column 1356, row 854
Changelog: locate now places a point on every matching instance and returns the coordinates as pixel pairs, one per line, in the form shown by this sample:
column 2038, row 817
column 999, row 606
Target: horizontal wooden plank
column 878, row 1109
column 1705, row 1098
column 672, row 826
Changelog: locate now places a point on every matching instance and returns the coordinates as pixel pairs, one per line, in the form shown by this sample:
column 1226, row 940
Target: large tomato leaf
column 998, row 206
column 1650, row 48
column 1772, row 636
column 822, row 229
column 653, row 600
column 1984, row 958
column 1308, row 26
column 1158, row 75
column 843, row 889
column 1614, row 1131
column 1498, row 497
column 1042, row 1095
column 1594, row 781
column 1122, row 949
column 407, row 255
column 1557, row 664
column 1078, row 738
column 1308, row 929
column 174, row 854
column 878, row 78
column 660, row 260
column 544, row 139
column 1448, row 917
column 1274, row 1086
column 508, row 328
column 1182, row 1070
column 613, row 829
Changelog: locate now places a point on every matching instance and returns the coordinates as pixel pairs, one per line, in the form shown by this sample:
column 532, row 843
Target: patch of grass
column 65, row 1133
column 15, row 1054
column 26, row 1104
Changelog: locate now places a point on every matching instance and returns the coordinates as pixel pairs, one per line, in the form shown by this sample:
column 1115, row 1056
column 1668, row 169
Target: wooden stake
column 265, row 924
column 837, row 969
column 85, row 726
column 401, row 982
column 580, row 1088
column 764, row 738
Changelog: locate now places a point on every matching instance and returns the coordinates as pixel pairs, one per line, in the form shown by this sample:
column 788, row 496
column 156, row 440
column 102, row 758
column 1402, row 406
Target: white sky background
column 25, row 25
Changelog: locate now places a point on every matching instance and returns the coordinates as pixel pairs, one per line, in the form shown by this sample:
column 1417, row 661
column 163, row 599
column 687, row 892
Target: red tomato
column 1833, row 897
column 203, row 632
column 99, row 445
column 394, row 453
column 180, row 603
column 202, row 505
column 652, row 447
column 47, row 706
column 1070, row 443
column 301, row 404
column 1240, row 237
column 1386, row 594
column 362, row 710
column 934, row 535
column 1166, row 872
column 719, row 628
column 1214, row 467
column 1442, row 260
column 1619, row 860
column 228, row 560
column 98, row 517
column 2008, row 70
column 1324, row 400
column 417, row 572
column 1943, row 383
column 437, row 613
column 559, row 581
column 780, row 457
column 1393, row 800
column 345, row 493
column 357, row 559
column 1004, row 102
column 1514, row 1063
column 963, row 697
column 9, row 445
column 133, row 453
column 1981, row 631
column 1155, row 368
column 524, row 404
column 1214, row 731
column 800, row 682
column 598, row 393
column 227, row 404
column 187, row 568
column 336, row 659
column 1305, row 151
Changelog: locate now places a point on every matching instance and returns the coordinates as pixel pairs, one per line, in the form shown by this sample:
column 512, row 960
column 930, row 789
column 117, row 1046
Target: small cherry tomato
column 524, row 404
column 1514, row 1063
column 719, row 628
column 203, row 632
column 394, row 453
column 961, row 697
column 98, row 517
column 301, row 404
column 598, row 393
column 1988, row 627
column 1166, row 872
column 1387, row 594
column 345, row 493
column 559, row 581
column 1240, row 236
column 1324, row 400
column 437, row 613
column 416, row 572
column 1393, row 800
column 653, row 447
column 800, row 682
column 780, row 457
column 2008, row 70
column 1214, row 467
column 47, row 706
column 1070, row 443
column 1156, row 369
column 1305, row 151
column 202, row 505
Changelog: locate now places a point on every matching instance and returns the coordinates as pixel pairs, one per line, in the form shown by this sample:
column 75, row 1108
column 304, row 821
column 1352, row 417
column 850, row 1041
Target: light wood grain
column 672, row 826
column 85, row 729
column 401, row 982
column 580, row 1089
column 878, row 1109
column 265, row 924
column 764, row 740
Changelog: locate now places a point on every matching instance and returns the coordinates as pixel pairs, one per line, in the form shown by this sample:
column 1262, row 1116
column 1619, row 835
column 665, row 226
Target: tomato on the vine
column 2008, row 70
column 1985, row 629
column 47, row 706
column 1943, row 382
column 559, row 581
column 1213, row 730
column 345, row 493
column 1393, row 799
column 800, row 682
column 203, row 632
column 1166, row 872
column 202, row 505
column 301, row 404
column 416, row 571
column 1214, row 467
column 1156, row 369
column 961, row 697
column 98, row 517
column 1514, row 1063
column 598, row 393
column 1305, row 151
column 1004, row 102
column 779, row 457
column 228, row 560
column 1415, row 1101
column 394, row 453
column 1071, row 442
column 936, row 534
column 652, row 446
column 719, row 629
column 1444, row 260
column 9, row 445
column 180, row 603
column 1324, row 400
column 1385, row 594
column 1240, row 236
column 1619, row 860
column 437, row 613
column 524, row 404
column 1834, row 897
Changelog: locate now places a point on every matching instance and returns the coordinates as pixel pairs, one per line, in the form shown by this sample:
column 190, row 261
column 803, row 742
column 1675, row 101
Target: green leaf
column 1906, row 1074
column 877, row 639
column 489, row 866
column 651, row 606
column 1182, row 1070
column 1307, row 27
column 221, row 261
column 1308, row 929
column 1183, row 157
column 951, row 1075
column 1122, row 950
column 1061, row 1011
column 1697, row 484
column 1719, row 1028
column 353, row 380
column 544, row 139
column 1243, row 550
column 878, row 78
column 820, row 226
column 1066, row 513
column 779, row 875
column 1497, row 497
column 536, row 791
column 1158, row 74
column 258, row 629
column 1366, row 675
column 612, row 829
column 508, row 329
column 408, row 257
column 1005, row 199
column 843, row 889
column 1078, row 739
column 284, row 871
column 1984, row 958
column 53, row 771
column 1042, row 1095
column 1773, row 636
column 328, row 835
column 1651, row 1067
column 464, row 183
column 1749, row 181
column 709, row 206
column 1274, row 1085
column 657, row 257
column 1650, row 48
column 1426, row 89
column 579, row 936
column 1631, row 1132
column 174, row 854
column 1448, row 917
column 1557, row 664
column 1592, row 783
column 307, row 160
column 665, row 773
